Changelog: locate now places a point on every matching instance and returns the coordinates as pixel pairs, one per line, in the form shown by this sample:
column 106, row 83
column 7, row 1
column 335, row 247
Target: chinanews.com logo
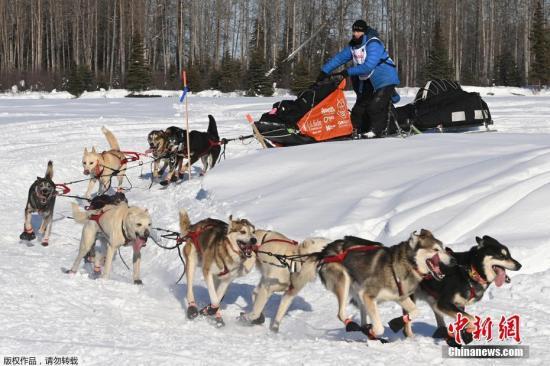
column 462, row 336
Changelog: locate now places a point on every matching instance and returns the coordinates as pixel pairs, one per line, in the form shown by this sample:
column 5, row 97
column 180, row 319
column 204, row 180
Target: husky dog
column 277, row 277
column 104, row 165
column 466, row 283
column 120, row 225
column 157, row 148
column 225, row 251
column 374, row 273
column 203, row 145
column 41, row 199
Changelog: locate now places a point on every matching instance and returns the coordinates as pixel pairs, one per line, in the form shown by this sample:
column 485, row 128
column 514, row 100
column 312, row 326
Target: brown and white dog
column 289, row 278
column 103, row 166
column 225, row 252
column 41, row 199
column 372, row 273
column 119, row 225
column 158, row 149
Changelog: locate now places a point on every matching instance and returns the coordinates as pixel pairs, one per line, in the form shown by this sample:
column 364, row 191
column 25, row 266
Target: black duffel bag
column 443, row 104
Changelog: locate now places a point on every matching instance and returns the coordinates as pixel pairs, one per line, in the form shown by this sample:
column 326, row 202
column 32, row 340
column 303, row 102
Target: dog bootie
column 352, row 326
column 192, row 312
column 440, row 333
column 396, row 324
column 27, row 235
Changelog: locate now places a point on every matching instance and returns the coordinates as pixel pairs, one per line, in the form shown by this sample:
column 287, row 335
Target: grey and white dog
column 41, row 199
column 370, row 273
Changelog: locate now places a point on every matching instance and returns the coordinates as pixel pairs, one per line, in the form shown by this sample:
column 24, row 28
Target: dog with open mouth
column 370, row 272
column 225, row 251
column 41, row 199
column 119, row 225
column 466, row 283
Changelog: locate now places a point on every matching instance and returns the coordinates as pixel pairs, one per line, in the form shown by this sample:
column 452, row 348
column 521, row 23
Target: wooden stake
column 187, row 127
column 257, row 133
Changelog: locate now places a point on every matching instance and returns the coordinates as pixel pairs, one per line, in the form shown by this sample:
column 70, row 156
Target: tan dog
column 105, row 165
column 277, row 277
column 225, row 251
column 120, row 225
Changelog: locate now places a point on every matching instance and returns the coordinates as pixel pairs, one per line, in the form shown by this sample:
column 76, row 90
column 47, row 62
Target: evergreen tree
column 301, row 79
column 75, row 85
column 438, row 65
column 540, row 45
column 282, row 72
column 229, row 73
column 506, row 71
column 194, row 79
column 139, row 75
column 87, row 78
column 258, row 84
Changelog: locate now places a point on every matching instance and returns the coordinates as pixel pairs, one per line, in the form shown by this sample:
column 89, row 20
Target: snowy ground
column 458, row 186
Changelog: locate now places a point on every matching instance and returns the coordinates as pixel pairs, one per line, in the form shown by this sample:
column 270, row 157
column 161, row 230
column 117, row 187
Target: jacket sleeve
column 375, row 50
column 339, row 59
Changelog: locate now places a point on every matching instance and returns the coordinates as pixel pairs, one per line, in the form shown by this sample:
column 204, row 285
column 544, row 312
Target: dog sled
column 320, row 113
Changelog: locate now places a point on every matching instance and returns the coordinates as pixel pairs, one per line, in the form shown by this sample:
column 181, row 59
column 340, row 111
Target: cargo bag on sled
column 319, row 113
column 442, row 104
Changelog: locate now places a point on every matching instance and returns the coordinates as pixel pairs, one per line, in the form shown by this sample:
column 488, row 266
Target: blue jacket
column 368, row 64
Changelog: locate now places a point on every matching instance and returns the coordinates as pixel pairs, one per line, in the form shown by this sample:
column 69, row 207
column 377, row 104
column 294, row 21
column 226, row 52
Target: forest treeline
column 231, row 44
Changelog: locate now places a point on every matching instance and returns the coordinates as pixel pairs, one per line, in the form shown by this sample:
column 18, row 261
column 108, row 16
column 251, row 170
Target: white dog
column 276, row 277
column 120, row 225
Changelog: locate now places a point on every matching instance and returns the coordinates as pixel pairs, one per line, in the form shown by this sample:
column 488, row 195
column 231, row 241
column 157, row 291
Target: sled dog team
column 356, row 269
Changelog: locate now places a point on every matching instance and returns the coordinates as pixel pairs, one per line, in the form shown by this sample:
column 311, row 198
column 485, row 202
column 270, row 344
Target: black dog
column 466, row 283
column 203, row 145
column 41, row 199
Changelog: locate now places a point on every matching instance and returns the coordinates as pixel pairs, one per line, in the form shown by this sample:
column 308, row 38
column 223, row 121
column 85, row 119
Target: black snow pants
column 370, row 112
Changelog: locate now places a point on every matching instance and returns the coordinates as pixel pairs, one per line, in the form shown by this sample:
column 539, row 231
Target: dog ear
column 85, row 150
column 480, row 242
column 93, row 149
column 413, row 239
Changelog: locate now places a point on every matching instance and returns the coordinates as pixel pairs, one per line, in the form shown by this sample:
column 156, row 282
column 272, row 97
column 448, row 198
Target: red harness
column 194, row 237
column 339, row 258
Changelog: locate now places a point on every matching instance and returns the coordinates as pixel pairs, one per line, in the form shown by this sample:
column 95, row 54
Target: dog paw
column 274, row 327
column 396, row 324
column 27, row 235
column 352, row 326
column 259, row 320
column 219, row 322
column 209, row 310
column 440, row 333
column 192, row 312
column 138, row 282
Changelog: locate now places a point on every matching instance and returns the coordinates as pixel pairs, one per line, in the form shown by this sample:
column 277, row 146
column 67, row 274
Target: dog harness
column 96, row 217
column 194, row 236
column 340, row 257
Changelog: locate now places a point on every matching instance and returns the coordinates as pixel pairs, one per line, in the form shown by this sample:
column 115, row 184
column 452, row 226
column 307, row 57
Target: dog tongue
column 501, row 276
column 138, row 243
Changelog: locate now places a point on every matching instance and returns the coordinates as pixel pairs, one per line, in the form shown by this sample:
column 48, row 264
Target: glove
column 322, row 76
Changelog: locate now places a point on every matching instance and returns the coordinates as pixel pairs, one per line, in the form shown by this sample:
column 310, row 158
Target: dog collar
column 474, row 275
